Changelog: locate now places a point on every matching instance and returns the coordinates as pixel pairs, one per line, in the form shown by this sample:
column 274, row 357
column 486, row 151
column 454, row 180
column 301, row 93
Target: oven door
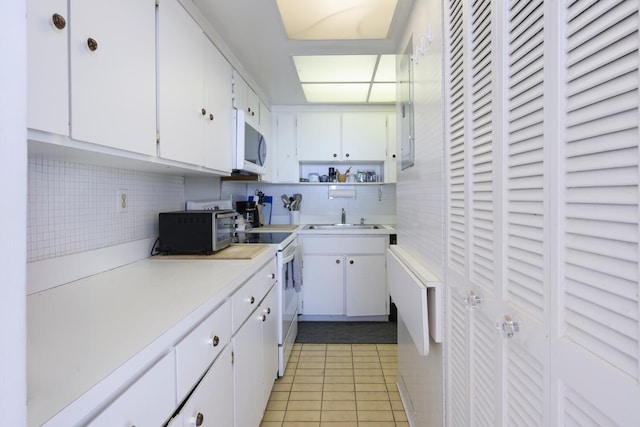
column 290, row 277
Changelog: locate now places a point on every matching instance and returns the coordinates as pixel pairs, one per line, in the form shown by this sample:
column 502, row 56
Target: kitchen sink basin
column 343, row 227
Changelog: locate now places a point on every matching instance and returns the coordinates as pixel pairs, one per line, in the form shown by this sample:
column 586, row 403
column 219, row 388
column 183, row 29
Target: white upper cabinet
column 356, row 136
column 217, row 103
column 245, row 99
column 47, row 66
column 318, row 137
column 283, row 149
column 93, row 76
column 194, row 93
column 113, row 86
column 364, row 136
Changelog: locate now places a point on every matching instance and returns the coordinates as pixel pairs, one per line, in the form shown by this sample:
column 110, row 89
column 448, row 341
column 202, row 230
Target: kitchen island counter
column 89, row 339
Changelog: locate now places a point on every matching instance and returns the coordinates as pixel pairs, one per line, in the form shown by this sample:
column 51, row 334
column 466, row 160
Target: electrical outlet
column 123, row 200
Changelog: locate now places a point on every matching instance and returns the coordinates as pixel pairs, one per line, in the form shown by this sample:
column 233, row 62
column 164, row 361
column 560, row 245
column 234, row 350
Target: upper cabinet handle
column 92, row 44
column 58, row 21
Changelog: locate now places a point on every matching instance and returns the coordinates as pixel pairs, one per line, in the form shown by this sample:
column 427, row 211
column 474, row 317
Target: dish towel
column 297, row 270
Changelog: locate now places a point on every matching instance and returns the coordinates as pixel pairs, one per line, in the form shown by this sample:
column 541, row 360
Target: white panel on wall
column 73, row 207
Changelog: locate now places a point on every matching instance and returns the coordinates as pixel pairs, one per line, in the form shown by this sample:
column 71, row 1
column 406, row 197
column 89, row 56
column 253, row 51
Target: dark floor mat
column 347, row 333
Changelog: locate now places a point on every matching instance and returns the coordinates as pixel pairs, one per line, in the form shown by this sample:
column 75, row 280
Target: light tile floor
column 337, row 385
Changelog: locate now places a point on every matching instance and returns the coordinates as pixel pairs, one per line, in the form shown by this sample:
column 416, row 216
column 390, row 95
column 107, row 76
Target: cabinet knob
column 252, row 300
column 268, row 310
column 273, row 275
column 92, row 44
column 198, row 419
column 214, row 340
column 210, row 116
column 351, row 262
column 337, row 261
column 204, row 112
column 335, row 155
column 346, row 155
column 263, row 317
column 58, row 21
column 393, row 156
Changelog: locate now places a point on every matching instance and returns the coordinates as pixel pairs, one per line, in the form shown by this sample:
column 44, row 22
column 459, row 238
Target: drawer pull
column 214, row 340
column 58, row 21
column 252, row 300
column 92, row 44
column 264, row 317
column 272, row 275
column 198, row 419
column 268, row 310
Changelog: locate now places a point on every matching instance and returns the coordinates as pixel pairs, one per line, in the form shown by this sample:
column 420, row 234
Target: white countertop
column 385, row 229
column 87, row 337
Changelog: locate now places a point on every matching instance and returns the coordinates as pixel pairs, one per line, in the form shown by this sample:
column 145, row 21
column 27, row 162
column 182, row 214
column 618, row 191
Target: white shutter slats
column 601, row 311
column 458, row 363
column 483, row 371
column 524, row 387
column 482, row 239
column 457, row 156
column 578, row 412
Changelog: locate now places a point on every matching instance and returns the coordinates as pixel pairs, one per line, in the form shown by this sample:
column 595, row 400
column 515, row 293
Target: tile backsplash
column 375, row 203
column 73, row 207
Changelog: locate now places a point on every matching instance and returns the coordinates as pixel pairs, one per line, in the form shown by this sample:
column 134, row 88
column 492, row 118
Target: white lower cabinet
column 150, row 401
column 211, row 403
column 255, row 366
column 344, row 276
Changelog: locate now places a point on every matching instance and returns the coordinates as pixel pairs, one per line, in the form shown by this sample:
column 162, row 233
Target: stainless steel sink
column 343, row 227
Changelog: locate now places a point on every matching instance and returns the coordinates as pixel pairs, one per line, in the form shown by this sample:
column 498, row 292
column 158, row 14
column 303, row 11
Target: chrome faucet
column 343, row 218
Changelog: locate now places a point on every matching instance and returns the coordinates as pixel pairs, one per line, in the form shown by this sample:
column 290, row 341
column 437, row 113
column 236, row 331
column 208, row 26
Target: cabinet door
column 366, row 285
column 391, row 162
column 150, row 401
column 284, row 146
column 113, row 73
column 253, row 108
column 323, row 285
column 240, row 89
column 211, row 404
column 270, row 341
column 364, row 136
column 180, row 70
column 247, row 372
column 318, row 136
column 217, row 103
column 47, row 66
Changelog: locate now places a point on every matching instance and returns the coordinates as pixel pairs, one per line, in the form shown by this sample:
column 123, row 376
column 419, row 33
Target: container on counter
column 361, row 176
column 313, row 177
column 371, row 176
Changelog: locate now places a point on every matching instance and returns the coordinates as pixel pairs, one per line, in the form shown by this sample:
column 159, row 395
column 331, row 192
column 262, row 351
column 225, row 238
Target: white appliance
column 251, row 146
column 287, row 259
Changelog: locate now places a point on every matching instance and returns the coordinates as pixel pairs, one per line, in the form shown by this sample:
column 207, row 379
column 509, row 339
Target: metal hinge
column 233, row 358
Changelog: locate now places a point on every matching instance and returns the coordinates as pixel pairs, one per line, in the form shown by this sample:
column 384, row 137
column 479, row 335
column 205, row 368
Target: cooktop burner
column 264, row 238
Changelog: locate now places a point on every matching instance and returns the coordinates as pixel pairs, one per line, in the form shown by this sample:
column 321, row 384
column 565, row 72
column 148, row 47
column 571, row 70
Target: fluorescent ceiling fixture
column 335, row 68
column 383, row 92
column 386, row 71
column 336, row 92
column 337, row 19
column 347, row 78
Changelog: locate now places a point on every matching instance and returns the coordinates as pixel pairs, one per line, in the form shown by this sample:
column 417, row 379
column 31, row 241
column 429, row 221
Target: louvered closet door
column 474, row 382
column 598, row 324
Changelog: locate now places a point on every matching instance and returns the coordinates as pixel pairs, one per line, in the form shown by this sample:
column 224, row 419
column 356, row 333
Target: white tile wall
column 376, row 203
column 73, row 207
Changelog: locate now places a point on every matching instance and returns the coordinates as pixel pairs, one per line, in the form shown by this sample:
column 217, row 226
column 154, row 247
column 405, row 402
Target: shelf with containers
column 364, row 173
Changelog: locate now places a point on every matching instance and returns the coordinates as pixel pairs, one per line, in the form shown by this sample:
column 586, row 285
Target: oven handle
column 289, row 253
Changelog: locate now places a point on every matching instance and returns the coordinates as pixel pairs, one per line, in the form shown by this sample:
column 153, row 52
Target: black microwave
column 195, row 232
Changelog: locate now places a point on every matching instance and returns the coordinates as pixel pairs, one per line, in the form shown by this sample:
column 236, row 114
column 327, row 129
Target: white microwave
column 251, row 146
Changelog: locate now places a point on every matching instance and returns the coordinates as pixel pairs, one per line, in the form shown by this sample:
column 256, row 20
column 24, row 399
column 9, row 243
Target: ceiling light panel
column 337, row 19
column 386, row 71
column 336, row 92
column 383, row 93
column 335, row 68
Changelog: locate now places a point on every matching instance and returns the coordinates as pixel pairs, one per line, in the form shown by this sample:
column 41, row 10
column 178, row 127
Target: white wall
column 420, row 189
column 13, row 181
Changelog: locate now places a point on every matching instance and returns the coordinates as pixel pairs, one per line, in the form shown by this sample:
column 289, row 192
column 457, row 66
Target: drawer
column 150, row 401
column 197, row 350
column 344, row 245
column 268, row 274
column 246, row 299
